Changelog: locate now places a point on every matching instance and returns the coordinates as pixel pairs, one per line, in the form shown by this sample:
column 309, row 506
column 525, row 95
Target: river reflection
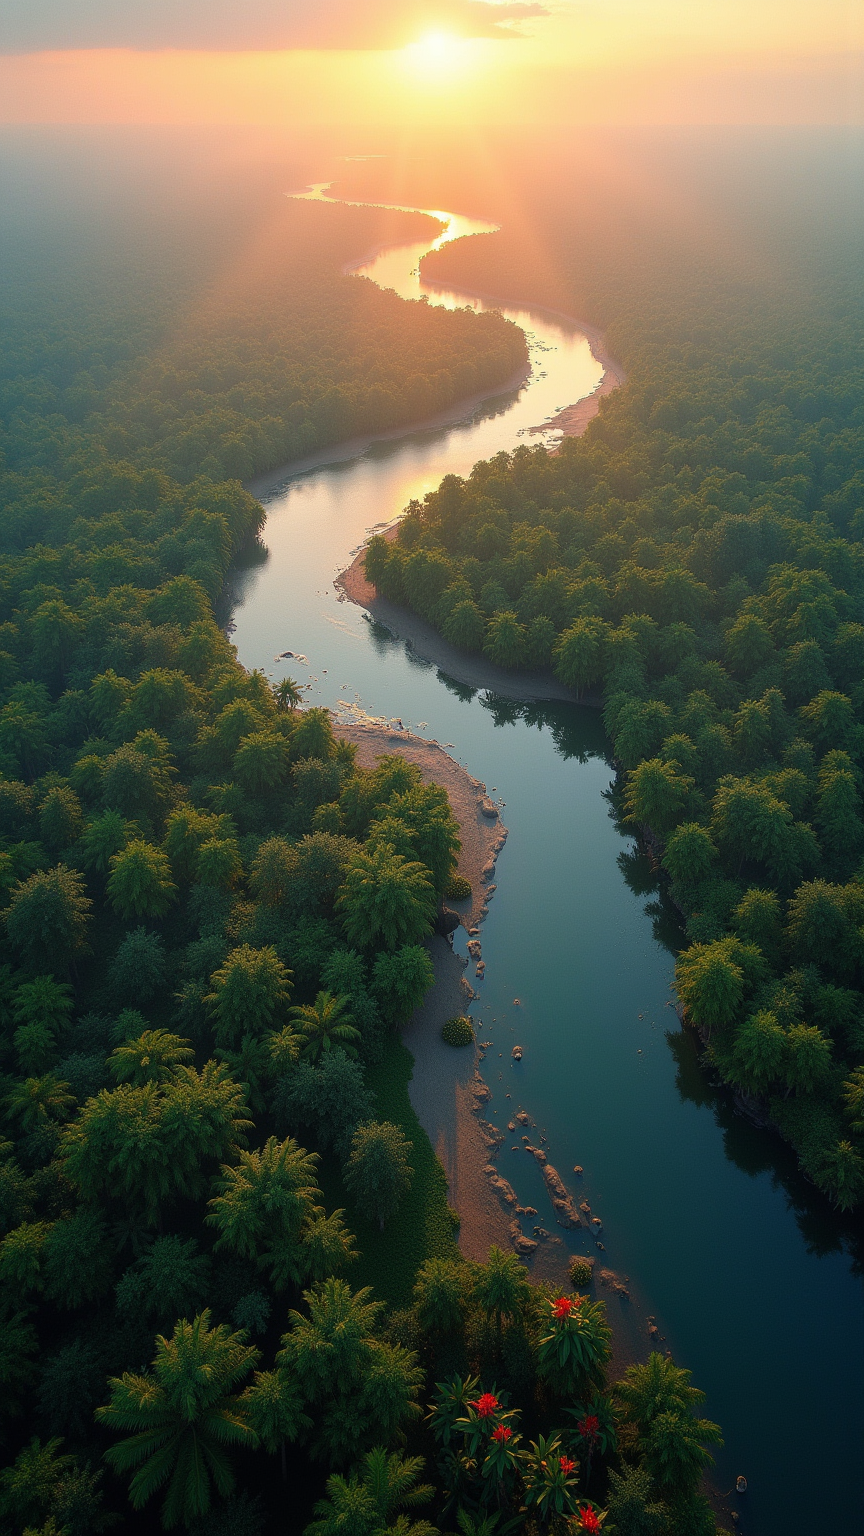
column 750, row 1277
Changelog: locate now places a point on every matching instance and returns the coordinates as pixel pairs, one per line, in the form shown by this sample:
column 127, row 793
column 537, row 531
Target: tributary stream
column 745, row 1270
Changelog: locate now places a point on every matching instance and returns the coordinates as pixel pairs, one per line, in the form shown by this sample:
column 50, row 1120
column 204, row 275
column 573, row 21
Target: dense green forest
column 229, row 1287
column 698, row 557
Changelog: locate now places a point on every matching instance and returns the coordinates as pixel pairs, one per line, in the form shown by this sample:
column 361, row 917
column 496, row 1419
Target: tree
column 808, row 1058
column 710, row 984
column 274, row 871
column 839, row 1170
column 138, row 970
column 149, row 1059
column 168, row 1281
column 464, row 626
column 47, row 918
column 76, row 1259
column 261, row 762
column 504, row 642
column 138, row 778
column 324, row 1025
column 424, row 812
column 248, row 992
column 673, row 1446
column 501, row 1287
column 267, row 1211
column 378, row 1171
column 60, row 819
column 140, row 883
column 572, row 1353
column 657, row 794
column 401, row 981
column 329, row 1100
column 182, row 1418
column 438, row 1297
column 39, row 1101
column 365, row 1503
column 760, row 1052
column 102, row 837
column 386, row 899
column 655, row 1387
column 144, row 1145
column 633, row 1507
column 578, row 654
column 824, row 923
column 853, row 1095
column 288, row 695
column 758, row 920
column 748, row 644
column 361, row 1387
column 690, row 854
column 43, row 1001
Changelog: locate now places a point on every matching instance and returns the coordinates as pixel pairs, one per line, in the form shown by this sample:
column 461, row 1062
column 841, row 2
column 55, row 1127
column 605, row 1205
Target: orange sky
column 630, row 61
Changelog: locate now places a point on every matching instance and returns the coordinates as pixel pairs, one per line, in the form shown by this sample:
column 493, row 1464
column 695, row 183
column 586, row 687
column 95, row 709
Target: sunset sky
column 288, row 62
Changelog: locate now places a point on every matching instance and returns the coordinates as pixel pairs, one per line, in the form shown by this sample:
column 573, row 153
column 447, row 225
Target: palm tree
column 438, row 1297
column 149, row 1059
column 365, row 1503
column 274, row 1406
column 266, row 1202
column 656, row 1387
column 501, row 1286
column 324, row 1024
column 182, row 1418
column 249, row 990
column 386, row 898
column 360, row 1385
column 674, row 1449
column 38, row 1101
column 288, row 694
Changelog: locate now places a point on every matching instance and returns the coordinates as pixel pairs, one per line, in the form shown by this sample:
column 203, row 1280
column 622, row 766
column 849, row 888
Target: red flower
column 589, row 1426
column 567, row 1466
column 486, row 1405
column 562, row 1307
column 502, row 1434
column 588, row 1521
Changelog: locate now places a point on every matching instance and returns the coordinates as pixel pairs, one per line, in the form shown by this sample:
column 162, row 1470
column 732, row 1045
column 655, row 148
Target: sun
column 437, row 55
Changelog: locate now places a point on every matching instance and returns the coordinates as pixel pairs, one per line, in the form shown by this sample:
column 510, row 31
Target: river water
column 747, row 1275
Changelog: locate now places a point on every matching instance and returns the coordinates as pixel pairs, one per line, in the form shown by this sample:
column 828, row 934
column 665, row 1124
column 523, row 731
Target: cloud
column 31, row 26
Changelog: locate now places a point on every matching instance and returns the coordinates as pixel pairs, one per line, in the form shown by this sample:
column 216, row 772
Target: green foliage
column 458, row 1031
column 140, row 883
column 47, row 918
column 387, row 899
column 457, row 888
column 267, row 1212
column 581, row 1271
column 182, row 1419
column 378, row 1171
column 401, row 980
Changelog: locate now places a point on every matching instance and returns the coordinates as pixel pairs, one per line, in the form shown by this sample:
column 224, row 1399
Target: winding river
column 749, row 1277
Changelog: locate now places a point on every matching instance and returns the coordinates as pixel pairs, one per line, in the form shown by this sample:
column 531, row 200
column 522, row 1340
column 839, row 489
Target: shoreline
column 466, row 667
column 447, row 1089
column 462, row 410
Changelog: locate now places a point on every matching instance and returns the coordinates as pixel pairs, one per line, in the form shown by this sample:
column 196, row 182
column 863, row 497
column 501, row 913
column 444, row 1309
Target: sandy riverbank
column 447, row 1089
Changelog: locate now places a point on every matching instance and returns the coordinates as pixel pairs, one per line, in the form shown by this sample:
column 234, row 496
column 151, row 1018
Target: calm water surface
column 748, row 1276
